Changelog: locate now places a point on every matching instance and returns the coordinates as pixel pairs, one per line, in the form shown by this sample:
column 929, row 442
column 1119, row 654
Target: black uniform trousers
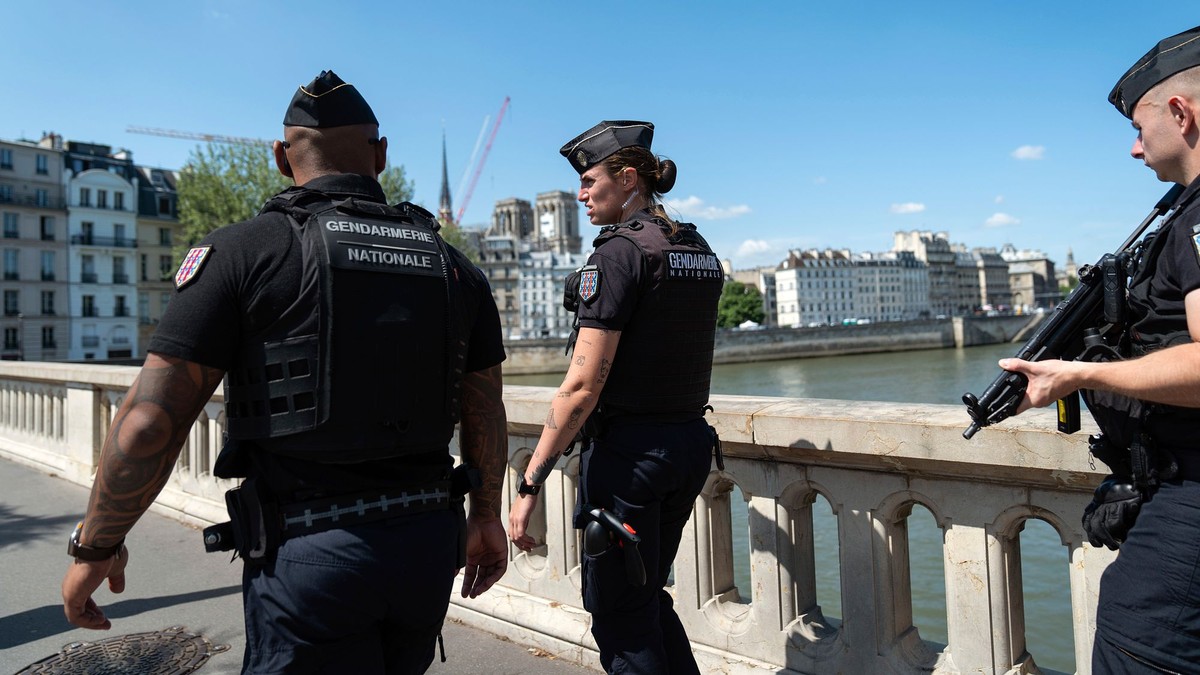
column 1148, row 614
column 649, row 475
column 368, row 598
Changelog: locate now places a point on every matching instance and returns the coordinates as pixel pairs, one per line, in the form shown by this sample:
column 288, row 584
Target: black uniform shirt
column 622, row 273
column 251, row 275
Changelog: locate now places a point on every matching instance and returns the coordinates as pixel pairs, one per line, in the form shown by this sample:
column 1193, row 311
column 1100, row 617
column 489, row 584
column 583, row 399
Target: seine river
column 929, row 376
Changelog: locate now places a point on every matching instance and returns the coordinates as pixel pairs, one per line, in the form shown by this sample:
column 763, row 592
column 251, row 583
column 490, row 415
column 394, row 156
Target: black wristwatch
column 527, row 489
column 91, row 553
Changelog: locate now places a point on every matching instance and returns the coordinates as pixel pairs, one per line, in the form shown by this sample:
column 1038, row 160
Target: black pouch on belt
column 254, row 517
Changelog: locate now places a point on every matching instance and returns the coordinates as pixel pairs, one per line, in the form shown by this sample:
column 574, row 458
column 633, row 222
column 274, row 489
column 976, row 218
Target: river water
column 927, row 376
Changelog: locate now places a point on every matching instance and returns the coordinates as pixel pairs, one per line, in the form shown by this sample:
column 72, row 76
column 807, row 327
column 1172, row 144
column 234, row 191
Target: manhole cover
column 166, row 652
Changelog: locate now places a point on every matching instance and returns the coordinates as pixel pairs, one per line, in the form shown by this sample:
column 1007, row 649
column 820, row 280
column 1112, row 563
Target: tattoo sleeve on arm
column 484, row 436
column 147, row 434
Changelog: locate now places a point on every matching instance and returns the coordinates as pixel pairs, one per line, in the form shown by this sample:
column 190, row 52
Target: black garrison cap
column 1170, row 56
column 602, row 140
column 327, row 101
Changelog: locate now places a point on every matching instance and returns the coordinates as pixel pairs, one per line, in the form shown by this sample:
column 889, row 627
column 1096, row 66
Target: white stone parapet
column 872, row 462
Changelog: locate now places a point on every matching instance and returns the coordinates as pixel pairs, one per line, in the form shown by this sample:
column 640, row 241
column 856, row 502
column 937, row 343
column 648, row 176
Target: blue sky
column 794, row 124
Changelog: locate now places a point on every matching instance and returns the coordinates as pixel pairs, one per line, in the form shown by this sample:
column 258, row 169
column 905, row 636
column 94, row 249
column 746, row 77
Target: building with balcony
column 933, row 249
column 33, row 253
column 541, row 283
column 499, row 260
column 158, row 232
column 101, row 251
column 815, row 288
column 891, row 286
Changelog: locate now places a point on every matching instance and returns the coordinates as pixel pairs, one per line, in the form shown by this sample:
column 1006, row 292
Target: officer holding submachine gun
column 1126, row 338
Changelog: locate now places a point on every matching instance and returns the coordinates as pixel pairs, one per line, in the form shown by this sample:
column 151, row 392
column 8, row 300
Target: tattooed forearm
column 541, row 471
column 484, row 437
column 550, row 419
column 147, row 434
column 605, row 365
column 580, row 360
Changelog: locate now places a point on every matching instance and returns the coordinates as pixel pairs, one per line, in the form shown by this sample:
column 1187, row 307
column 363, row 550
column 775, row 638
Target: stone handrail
column 872, row 462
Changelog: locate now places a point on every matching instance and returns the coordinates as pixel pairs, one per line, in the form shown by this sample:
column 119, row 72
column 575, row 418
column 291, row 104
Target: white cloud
column 1000, row 220
column 694, row 207
column 1030, row 152
column 820, row 180
column 999, row 199
column 907, row 207
column 752, row 247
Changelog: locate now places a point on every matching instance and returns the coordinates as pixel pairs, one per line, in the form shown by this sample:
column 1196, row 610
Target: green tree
column 739, row 302
column 454, row 235
column 224, row 183
column 396, row 185
column 228, row 183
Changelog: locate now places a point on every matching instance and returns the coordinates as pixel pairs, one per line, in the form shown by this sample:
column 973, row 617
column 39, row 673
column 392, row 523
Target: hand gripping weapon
column 1093, row 311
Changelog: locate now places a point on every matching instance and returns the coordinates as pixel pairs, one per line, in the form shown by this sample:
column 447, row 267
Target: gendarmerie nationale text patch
column 192, row 264
column 693, row 265
column 356, row 243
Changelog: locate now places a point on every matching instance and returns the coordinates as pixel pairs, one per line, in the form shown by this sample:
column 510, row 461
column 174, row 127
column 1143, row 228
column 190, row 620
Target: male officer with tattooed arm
column 345, row 373
column 1147, row 402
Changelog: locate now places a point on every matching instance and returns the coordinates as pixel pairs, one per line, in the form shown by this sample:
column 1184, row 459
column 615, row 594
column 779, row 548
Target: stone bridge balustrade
column 872, row 462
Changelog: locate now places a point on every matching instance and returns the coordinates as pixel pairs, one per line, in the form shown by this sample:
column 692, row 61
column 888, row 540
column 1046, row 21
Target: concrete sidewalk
column 170, row 582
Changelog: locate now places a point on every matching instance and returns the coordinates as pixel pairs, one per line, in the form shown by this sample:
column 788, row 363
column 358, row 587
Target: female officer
column 639, row 376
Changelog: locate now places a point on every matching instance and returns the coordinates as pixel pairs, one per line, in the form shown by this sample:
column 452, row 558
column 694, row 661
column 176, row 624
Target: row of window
column 12, row 230
column 6, row 161
column 12, row 338
column 85, row 198
column 88, row 274
column 12, row 304
column 41, row 196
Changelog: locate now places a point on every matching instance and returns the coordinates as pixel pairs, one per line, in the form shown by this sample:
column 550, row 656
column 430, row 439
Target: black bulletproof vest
column 1153, row 326
column 663, row 364
column 367, row 363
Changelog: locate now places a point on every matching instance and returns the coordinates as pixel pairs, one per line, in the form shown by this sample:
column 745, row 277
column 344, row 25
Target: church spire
column 445, row 210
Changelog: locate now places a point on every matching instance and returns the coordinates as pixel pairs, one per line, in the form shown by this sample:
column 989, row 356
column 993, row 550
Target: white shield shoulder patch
column 589, row 284
column 192, row 264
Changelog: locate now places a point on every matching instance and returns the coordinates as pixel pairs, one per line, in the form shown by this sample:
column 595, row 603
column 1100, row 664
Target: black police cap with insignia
column 327, row 101
column 1170, row 56
column 602, row 140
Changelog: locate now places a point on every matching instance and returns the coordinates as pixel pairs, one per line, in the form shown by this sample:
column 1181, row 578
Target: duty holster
column 604, row 530
column 253, row 531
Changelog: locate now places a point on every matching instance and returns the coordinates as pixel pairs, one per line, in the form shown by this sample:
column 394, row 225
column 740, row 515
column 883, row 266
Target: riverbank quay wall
column 528, row 357
column 872, row 462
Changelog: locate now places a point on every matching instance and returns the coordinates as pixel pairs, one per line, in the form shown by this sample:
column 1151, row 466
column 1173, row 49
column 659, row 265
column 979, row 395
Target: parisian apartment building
column 88, row 250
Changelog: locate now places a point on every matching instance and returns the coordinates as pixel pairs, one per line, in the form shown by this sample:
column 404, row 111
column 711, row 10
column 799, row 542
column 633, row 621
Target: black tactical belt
column 319, row 515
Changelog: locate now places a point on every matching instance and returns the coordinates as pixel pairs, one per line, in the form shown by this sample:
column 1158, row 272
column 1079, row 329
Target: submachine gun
column 1092, row 314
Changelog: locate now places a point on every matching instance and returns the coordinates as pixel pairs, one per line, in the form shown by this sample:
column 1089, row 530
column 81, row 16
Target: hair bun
column 666, row 176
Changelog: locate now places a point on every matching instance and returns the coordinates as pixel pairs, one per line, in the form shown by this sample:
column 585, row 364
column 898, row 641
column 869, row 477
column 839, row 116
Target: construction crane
column 188, row 135
column 482, row 159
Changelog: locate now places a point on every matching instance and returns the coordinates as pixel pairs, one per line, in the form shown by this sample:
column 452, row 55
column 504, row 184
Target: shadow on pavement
column 48, row 620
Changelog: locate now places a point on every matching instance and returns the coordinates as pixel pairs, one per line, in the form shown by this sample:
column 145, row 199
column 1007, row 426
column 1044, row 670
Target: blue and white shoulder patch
column 192, row 264
column 589, row 284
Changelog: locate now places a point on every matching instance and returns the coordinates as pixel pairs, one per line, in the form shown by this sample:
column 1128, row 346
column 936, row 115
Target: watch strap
column 527, row 489
column 91, row 553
